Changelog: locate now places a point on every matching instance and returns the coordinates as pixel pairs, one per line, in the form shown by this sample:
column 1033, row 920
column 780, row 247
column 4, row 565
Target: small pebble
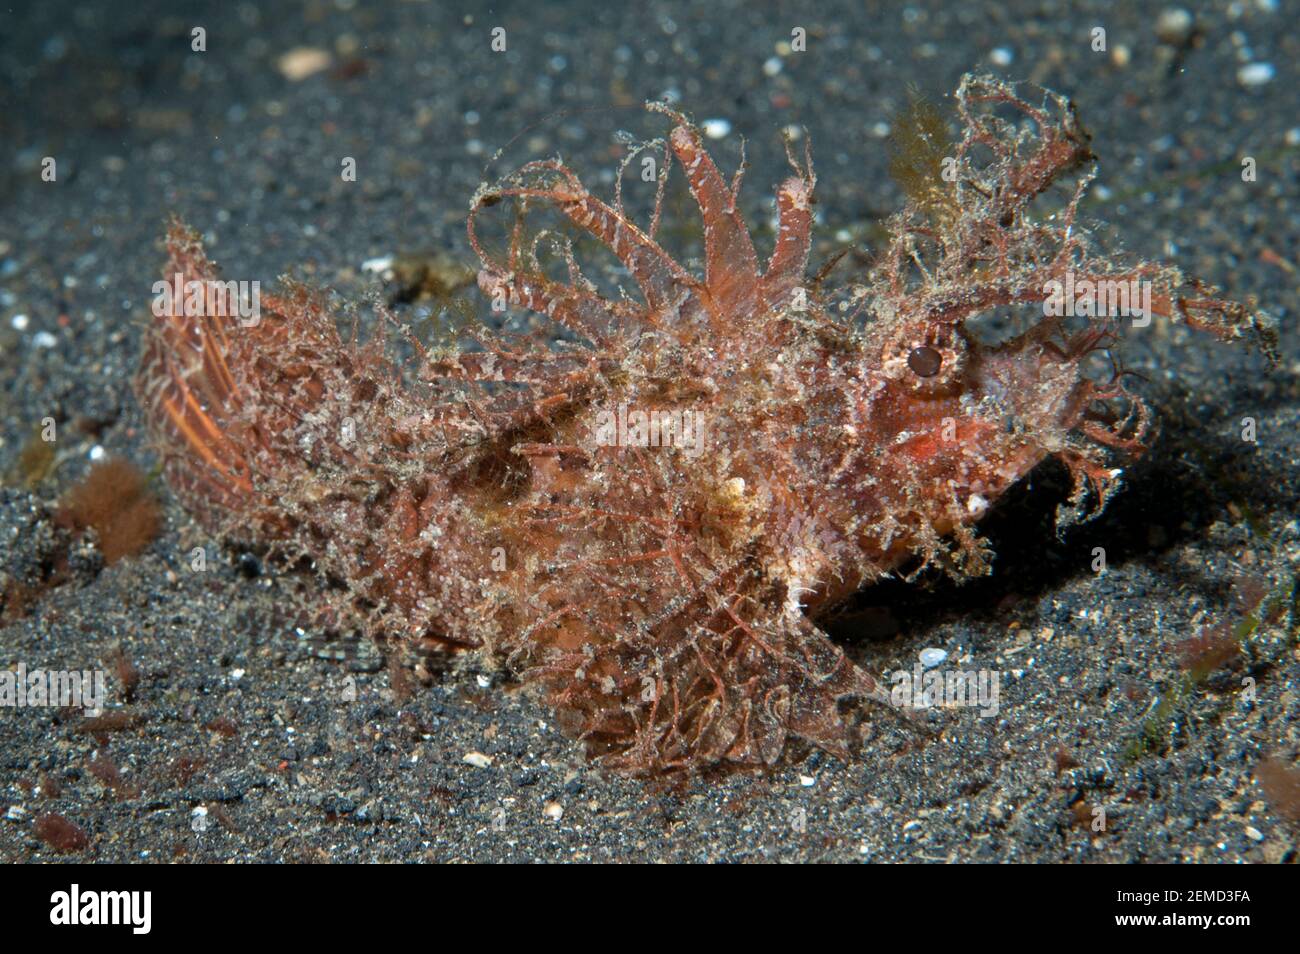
column 43, row 339
column 1174, row 26
column 18, row 322
column 1254, row 834
column 933, row 657
column 716, row 128
column 1256, row 74
column 1001, row 56
column 478, row 759
column 303, row 61
column 553, row 811
column 807, row 781
column 378, row 265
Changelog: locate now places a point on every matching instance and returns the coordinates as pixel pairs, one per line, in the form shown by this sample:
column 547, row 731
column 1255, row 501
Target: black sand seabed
column 142, row 127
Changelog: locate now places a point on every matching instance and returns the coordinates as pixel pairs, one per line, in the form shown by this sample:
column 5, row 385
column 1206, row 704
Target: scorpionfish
column 643, row 503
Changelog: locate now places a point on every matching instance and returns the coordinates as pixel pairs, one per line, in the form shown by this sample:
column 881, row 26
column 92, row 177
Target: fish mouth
column 1049, row 399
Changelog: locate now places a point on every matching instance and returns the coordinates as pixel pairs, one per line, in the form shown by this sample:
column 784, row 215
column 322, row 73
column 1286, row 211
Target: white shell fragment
column 932, row 657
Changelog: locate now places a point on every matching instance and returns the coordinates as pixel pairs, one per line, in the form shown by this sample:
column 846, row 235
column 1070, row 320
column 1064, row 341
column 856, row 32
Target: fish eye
column 924, row 361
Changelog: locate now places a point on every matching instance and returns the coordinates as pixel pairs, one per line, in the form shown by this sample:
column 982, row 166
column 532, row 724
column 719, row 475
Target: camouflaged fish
column 645, row 515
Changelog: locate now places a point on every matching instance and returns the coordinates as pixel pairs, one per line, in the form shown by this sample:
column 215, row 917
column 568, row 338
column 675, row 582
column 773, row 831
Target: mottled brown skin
column 665, row 601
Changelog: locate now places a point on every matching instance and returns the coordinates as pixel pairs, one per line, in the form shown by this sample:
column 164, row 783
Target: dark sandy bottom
column 242, row 744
